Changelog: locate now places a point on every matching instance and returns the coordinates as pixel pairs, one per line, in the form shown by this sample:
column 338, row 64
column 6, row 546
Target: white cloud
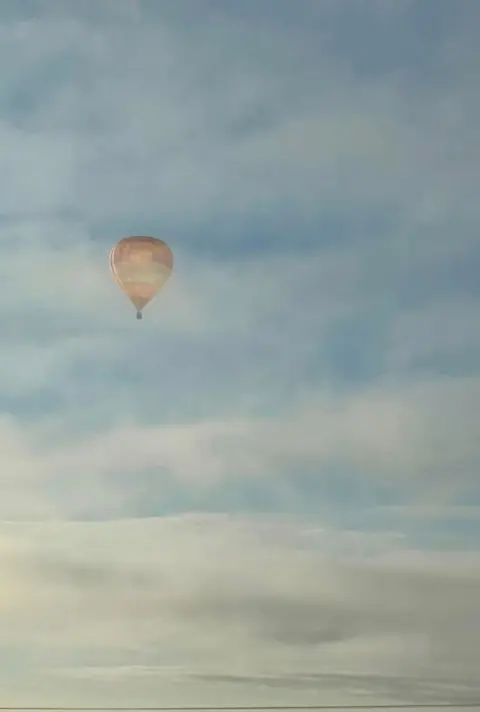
column 424, row 430
column 222, row 599
column 423, row 437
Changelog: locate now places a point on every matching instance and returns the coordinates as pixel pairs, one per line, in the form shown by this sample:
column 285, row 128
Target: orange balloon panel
column 141, row 265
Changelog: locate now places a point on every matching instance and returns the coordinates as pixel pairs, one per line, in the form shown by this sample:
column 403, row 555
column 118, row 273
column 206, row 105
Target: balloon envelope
column 141, row 265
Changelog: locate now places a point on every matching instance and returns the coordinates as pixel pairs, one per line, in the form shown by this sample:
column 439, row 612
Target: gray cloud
column 409, row 688
column 243, row 609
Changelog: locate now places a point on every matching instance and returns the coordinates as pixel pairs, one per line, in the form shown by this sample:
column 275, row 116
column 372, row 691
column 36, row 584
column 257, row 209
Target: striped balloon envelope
column 141, row 266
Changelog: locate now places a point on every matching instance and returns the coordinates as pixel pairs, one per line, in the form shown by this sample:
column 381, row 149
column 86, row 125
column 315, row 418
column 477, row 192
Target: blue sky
column 292, row 433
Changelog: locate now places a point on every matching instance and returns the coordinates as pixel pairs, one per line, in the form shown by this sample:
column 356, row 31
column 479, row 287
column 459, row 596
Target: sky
column 267, row 491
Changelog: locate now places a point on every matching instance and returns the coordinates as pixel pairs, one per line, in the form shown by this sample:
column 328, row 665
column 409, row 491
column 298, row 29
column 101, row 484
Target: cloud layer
column 268, row 490
column 262, row 603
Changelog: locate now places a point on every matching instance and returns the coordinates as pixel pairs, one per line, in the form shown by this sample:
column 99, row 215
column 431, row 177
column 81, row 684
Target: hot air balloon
column 141, row 265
